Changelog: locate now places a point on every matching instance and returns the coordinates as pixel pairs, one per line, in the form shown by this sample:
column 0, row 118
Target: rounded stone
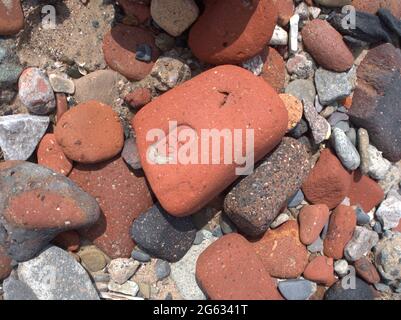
column 51, row 155
column 387, row 259
column 92, row 259
column 294, row 108
column 367, row 271
column 240, row 30
column 274, row 71
column 90, row 133
column 140, row 256
column 361, row 291
column 162, row 269
column 120, row 46
column 297, row 289
column 321, row 270
column 11, row 17
column 326, row 46
column 312, row 220
column 138, row 98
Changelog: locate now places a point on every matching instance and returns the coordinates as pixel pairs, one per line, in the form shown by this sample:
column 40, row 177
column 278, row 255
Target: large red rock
column 285, row 10
column 232, row 31
column 326, row 46
column 90, row 132
column 365, row 192
column 122, row 195
column 341, row 228
column 274, row 71
column 120, row 46
column 328, row 182
column 51, row 155
column 229, row 270
column 5, row 263
column 11, row 17
column 321, row 271
column 226, row 97
column 312, row 220
column 281, row 251
column 367, row 271
column 371, row 6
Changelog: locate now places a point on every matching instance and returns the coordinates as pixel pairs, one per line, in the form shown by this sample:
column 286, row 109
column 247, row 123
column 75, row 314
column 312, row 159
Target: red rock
column 274, row 71
column 50, row 155
column 285, row 10
column 90, row 132
column 281, row 251
column 321, row 270
column 367, row 271
column 312, row 220
column 228, row 97
column 68, row 240
column 132, row 9
column 138, row 98
column 61, row 105
column 371, row 6
column 341, row 228
column 232, row 31
column 122, row 195
column 119, row 48
column 5, row 263
column 365, row 192
column 326, row 46
column 11, row 17
column 328, row 182
column 229, row 270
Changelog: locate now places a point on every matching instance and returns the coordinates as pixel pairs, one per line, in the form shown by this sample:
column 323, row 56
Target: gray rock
column 362, row 242
column 17, row 290
column 61, row 83
column 378, row 166
column 392, row 178
column 198, row 238
column 55, row 275
column 363, row 146
column 129, row 288
column 343, row 125
column 254, row 65
column 332, row 86
column 321, row 129
column 316, row 246
column 336, row 117
column 362, row 218
column 140, row 256
column 281, row 218
column 130, row 154
column 162, row 269
column 164, row 41
column 296, row 200
column 183, row 271
column 280, row 37
column 302, row 89
column 361, row 291
column 377, row 227
column 122, row 269
column 389, row 212
column 226, row 225
column 217, row 232
column 169, row 72
column 20, row 135
column 300, row 129
column 10, row 67
column 345, row 150
column 297, row 289
column 351, row 134
column 300, row 65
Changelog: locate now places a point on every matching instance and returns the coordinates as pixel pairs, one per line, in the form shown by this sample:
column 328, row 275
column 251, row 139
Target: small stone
column 169, row 72
column 217, row 232
column 389, row 212
column 316, row 246
column 343, row 125
column 143, row 52
column 226, row 225
column 279, row 38
column 302, row 89
column 312, row 219
column 345, row 150
column 296, row 200
column 294, row 29
column 122, row 269
column 333, row 86
column 281, row 218
column 294, row 108
column 68, row 240
column 255, row 65
column 55, row 275
column 352, row 136
column 378, row 165
column 337, row 117
column 392, row 178
column 321, row 129
column 367, row 271
column 129, row 288
column 174, row 16
column 164, row 41
column 300, row 129
column 11, row 17
column 20, row 134
column 163, row 235
column 362, row 218
column 140, row 256
column 138, row 98
column 5, row 263
column 320, row 270
column 35, row 92
column 361, row 243
column 363, row 146
column 341, row 267
column 162, row 269
column 298, row 289
column 361, row 291
column 274, row 72
column 300, row 65
column 61, row 83
column 130, row 154
column 92, row 258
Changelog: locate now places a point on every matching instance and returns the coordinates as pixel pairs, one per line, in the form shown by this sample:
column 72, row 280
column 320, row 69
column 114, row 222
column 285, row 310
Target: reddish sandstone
column 61, row 105
column 274, row 71
column 281, row 251
column 139, row 11
column 122, row 195
column 229, row 270
column 51, row 155
column 371, row 6
column 321, row 270
column 312, row 220
column 228, row 97
column 90, row 132
column 119, row 48
column 5, row 263
column 138, row 98
column 326, row 45
column 68, row 240
column 295, row 109
column 11, row 17
column 365, row 192
column 367, row 271
column 328, row 182
column 347, row 102
column 341, row 228
column 285, row 10
column 232, row 31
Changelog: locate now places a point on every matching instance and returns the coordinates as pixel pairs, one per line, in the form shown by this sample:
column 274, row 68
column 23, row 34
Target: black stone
column 390, row 21
column 362, row 291
column 162, row 235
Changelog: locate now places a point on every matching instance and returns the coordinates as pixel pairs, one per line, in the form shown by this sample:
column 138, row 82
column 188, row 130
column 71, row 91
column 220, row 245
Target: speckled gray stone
column 55, row 275
column 255, row 201
column 363, row 240
column 321, row 129
column 17, row 290
column 378, row 166
column 389, row 212
column 162, row 269
column 302, row 89
column 345, row 150
column 162, row 235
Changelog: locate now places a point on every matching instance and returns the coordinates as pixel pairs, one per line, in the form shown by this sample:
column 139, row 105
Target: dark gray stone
column 162, row 269
column 362, row 218
column 362, row 291
column 140, row 256
column 143, row 52
column 130, row 154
